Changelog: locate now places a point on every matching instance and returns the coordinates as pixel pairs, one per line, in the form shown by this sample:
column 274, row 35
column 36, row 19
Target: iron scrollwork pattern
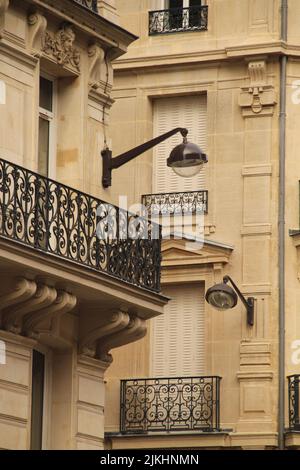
column 294, row 402
column 178, row 19
column 176, row 203
column 170, row 404
column 90, row 4
column 54, row 218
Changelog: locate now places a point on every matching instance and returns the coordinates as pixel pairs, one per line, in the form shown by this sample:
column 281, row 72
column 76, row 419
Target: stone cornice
column 95, row 26
column 274, row 48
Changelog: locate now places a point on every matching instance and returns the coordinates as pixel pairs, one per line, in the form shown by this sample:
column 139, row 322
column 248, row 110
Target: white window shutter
column 178, row 336
column 184, row 111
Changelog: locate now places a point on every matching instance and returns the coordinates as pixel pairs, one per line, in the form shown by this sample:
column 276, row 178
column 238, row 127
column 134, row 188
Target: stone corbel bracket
column 123, row 328
column 100, row 72
column 63, row 302
column 23, row 290
column 88, row 341
column 31, row 305
column 135, row 330
column 259, row 98
column 59, row 48
column 4, row 4
column 37, row 30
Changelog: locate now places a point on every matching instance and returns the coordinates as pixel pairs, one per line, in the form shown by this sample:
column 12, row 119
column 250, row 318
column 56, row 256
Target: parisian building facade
column 73, row 286
column 228, row 71
column 94, row 352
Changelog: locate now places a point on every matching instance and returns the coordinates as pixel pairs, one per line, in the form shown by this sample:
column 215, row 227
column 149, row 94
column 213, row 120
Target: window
column 37, row 400
column 41, row 398
column 185, row 111
column 47, row 131
column 178, row 335
column 181, row 18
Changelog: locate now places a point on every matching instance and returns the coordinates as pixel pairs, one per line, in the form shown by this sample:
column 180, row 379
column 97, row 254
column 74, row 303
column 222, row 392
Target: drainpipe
column 281, row 227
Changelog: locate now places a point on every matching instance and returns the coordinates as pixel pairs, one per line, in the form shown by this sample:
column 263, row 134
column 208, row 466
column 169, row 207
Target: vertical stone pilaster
column 255, row 375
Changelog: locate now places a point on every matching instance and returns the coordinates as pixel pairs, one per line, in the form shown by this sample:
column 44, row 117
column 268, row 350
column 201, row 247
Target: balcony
column 194, row 202
column 90, row 4
column 294, row 403
column 170, row 404
column 177, row 20
column 61, row 222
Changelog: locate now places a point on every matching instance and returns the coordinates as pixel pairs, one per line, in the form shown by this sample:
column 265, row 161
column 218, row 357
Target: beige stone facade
column 64, row 302
column 235, row 62
column 67, row 300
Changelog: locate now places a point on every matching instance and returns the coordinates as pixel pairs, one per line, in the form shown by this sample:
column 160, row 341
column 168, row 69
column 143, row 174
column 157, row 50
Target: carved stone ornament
column 259, row 97
column 100, row 70
column 3, row 9
column 60, row 47
column 37, row 29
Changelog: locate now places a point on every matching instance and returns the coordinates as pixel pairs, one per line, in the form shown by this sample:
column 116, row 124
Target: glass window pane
column 175, row 3
column 37, row 400
column 46, row 94
column 195, row 3
column 43, row 157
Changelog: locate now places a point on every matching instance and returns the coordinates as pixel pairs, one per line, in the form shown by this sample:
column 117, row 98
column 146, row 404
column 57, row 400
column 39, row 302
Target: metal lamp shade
column 186, row 159
column 221, row 297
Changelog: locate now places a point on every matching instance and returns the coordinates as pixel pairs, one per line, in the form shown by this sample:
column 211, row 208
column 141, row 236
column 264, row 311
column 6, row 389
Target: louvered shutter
column 178, row 334
column 186, row 111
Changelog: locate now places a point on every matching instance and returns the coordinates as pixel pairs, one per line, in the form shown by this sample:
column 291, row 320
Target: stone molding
column 258, row 99
column 59, row 48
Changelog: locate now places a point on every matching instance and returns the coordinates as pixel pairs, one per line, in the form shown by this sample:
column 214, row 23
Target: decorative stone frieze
column 259, row 97
column 60, row 47
column 4, row 4
column 37, row 30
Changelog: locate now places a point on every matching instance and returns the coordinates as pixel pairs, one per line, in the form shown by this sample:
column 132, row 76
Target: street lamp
column 185, row 159
column 222, row 297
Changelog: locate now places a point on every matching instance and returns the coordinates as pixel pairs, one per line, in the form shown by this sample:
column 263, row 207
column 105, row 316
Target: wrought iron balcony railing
column 170, row 404
column 51, row 217
column 176, row 203
column 178, row 19
column 294, row 402
column 90, row 4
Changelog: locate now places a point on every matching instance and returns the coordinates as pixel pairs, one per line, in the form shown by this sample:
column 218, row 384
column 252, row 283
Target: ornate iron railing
column 178, row 19
column 294, row 402
column 90, row 4
column 170, row 404
column 176, row 203
column 48, row 216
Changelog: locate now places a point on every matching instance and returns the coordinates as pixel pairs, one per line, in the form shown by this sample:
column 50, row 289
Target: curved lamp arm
column 249, row 302
column 110, row 163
